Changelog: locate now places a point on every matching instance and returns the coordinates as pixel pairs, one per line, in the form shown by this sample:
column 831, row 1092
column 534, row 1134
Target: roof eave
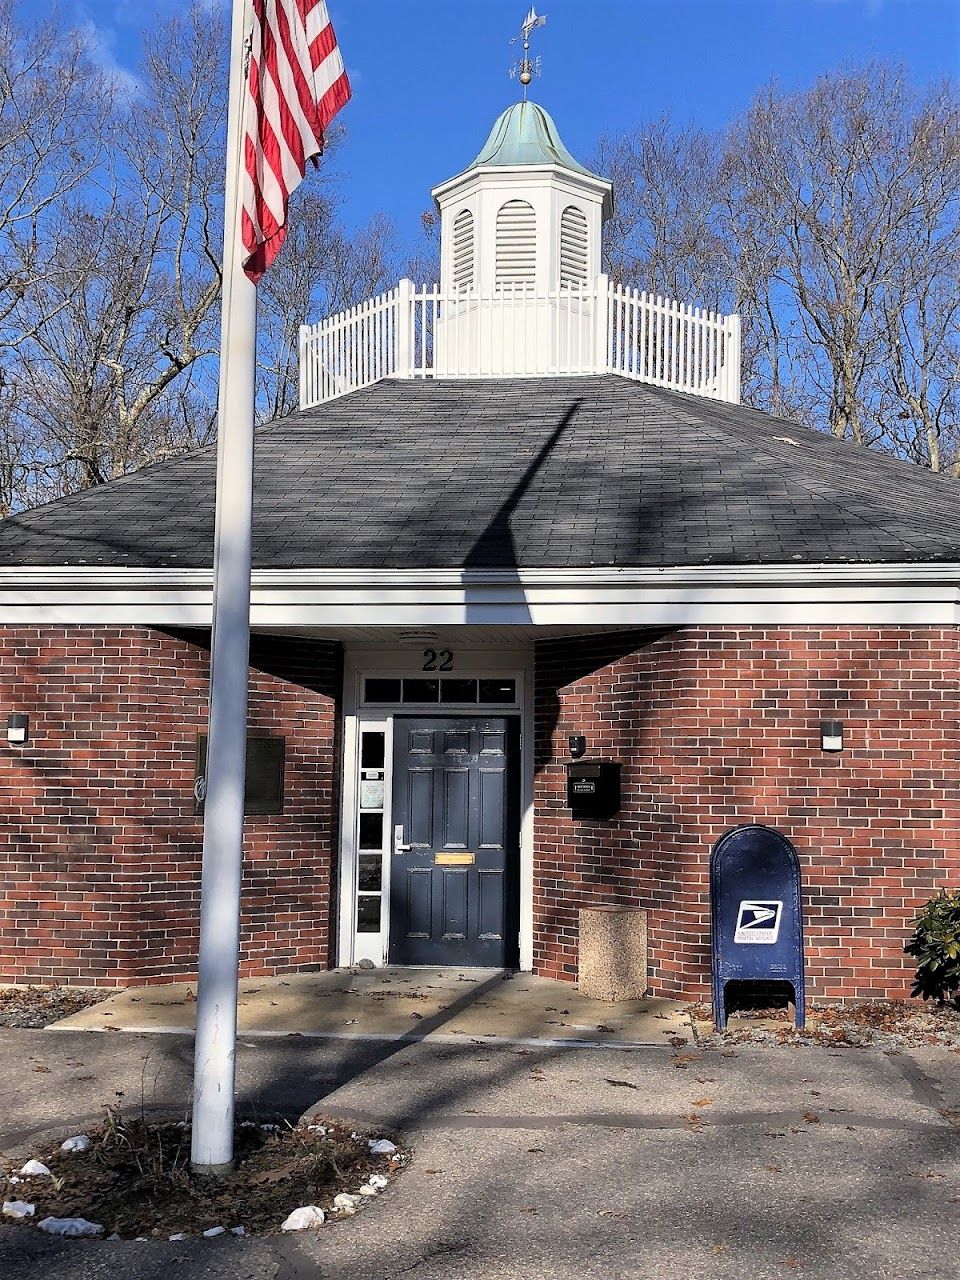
column 600, row 186
column 811, row 595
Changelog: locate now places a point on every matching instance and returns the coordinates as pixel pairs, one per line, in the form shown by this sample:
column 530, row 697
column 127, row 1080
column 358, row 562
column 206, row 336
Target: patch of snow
column 18, row 1209
column 180, row 1235
column 378, row 1180
column 35, row 1169
column 214, row 1231
column 114, row 1236
column 367, row 1190
column 72, row 1227
column 382, row 1147
column 237, row 1231
column 80, row 1143
column 306, row 1216
column 139, row 1239
column 13, row 1178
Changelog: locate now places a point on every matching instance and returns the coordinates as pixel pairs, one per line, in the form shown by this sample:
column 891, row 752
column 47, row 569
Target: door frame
column 361, row 664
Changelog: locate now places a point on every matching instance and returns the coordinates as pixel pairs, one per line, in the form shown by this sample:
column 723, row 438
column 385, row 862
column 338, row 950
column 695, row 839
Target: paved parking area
column 533, row 1163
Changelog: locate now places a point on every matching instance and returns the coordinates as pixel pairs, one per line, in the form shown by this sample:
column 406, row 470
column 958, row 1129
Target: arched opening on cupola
column 516, row 244
column 573, row 246
column 463, row 251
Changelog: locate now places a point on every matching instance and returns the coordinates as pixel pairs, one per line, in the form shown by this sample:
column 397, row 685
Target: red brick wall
column 721, row 726
column 99, row 844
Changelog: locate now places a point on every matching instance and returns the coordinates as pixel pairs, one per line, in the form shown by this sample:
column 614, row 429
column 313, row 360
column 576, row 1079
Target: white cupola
column 522, row 292
column 525, row 214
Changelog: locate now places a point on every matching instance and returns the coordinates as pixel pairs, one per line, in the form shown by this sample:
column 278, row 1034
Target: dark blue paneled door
column 454, row 881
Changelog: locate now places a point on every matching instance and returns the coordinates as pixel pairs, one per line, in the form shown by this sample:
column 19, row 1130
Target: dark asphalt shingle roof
column 538, row 472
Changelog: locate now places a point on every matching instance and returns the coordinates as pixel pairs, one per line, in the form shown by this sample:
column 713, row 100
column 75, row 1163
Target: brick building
column 523, row 506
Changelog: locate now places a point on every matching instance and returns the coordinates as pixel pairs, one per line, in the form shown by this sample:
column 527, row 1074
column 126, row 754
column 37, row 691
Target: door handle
column 398, row 844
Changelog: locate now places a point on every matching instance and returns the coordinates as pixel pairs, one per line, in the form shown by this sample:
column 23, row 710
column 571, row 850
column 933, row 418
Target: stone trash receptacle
column 613, row 953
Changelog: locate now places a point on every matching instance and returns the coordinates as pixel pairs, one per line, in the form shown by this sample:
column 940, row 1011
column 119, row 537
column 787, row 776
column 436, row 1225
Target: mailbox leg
column 799, row 1005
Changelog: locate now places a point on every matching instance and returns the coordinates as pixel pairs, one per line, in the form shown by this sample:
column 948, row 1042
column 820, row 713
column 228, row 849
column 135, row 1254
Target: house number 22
column 438, row 660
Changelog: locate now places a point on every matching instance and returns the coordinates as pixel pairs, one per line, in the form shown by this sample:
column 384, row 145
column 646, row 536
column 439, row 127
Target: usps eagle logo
column 758, row 921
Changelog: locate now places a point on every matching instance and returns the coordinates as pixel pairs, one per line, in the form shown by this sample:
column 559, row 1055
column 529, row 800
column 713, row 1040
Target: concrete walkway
column 546, row 1163
column 411, row 1004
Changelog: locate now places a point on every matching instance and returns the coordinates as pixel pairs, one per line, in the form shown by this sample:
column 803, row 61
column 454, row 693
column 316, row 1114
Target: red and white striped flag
column 296, row 84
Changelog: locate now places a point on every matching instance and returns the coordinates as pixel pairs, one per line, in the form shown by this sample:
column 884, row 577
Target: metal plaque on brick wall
column 756, row 913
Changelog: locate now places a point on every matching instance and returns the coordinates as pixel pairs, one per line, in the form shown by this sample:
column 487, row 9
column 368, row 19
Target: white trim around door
column 363, row 716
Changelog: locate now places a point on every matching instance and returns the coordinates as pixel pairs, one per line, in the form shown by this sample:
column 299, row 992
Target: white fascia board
column 509, row 175
column 911, row 594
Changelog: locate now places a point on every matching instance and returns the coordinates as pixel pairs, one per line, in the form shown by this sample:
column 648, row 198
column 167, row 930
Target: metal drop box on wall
column 756, row 913
column 593, row 788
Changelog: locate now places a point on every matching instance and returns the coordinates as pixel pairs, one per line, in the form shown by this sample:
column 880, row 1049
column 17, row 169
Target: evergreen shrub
column 935, row 946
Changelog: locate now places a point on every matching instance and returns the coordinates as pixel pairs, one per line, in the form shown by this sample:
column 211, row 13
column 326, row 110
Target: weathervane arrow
column 526, row 67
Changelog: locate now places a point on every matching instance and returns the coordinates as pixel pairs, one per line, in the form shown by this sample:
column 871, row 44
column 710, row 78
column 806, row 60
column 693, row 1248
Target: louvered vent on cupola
column 463, row 254
column 516, row 244
column 573, row 246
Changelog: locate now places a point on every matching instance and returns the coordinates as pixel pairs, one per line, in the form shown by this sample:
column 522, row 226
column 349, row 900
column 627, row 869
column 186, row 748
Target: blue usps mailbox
column 756, row 913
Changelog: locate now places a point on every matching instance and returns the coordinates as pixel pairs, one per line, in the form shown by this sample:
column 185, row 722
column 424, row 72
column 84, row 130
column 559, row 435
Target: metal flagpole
column 214, row 1072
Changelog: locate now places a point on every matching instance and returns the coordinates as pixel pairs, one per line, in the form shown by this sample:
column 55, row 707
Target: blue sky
column 430, row 76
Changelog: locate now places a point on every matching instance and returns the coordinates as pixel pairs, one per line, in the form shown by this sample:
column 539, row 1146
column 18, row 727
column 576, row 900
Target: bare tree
column 113, row 339
column 919, row 400
column 53, row 104
column 320, row 270
column 54, row 109
column 423, row 265
column 824, row 196
column 919, row 404
column 667, row 233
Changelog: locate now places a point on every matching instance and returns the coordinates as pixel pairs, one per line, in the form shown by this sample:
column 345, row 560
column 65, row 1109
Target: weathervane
column 525, row 68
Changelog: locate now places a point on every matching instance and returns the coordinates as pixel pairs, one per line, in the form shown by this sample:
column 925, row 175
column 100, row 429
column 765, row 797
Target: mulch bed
column 882, row 1024
column 39, row 1006
column 136, row 1180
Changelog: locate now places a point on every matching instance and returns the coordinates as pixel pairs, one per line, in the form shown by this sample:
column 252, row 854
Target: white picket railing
column 517, row 332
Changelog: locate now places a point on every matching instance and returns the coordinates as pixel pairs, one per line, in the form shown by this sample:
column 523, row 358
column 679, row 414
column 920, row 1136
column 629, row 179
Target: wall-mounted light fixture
column 578, row 745
column 831, row 735
column 18, row 726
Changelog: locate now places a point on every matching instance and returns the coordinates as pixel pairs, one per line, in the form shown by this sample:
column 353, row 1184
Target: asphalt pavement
column 656, row 1162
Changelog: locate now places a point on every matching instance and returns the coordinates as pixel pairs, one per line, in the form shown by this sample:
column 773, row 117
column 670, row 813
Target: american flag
column 296, row 84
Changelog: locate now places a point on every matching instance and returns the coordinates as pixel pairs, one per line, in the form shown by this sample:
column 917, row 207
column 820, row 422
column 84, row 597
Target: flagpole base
column 212, row 1170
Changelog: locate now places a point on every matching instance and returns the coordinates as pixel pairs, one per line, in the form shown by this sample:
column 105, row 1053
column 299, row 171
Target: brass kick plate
column 455, row 859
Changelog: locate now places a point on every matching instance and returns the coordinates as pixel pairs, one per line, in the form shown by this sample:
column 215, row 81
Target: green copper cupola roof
column 526, row 134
